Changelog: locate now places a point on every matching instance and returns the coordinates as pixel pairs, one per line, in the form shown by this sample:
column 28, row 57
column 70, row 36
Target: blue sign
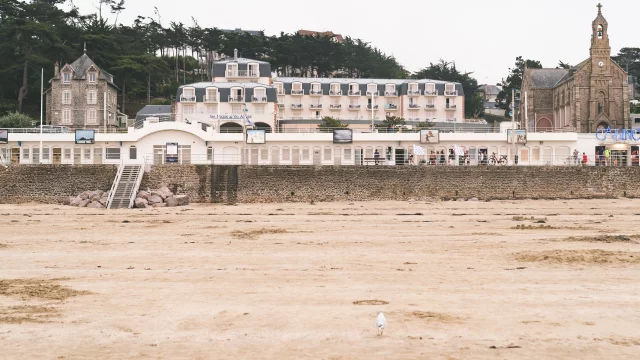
column 618, row 134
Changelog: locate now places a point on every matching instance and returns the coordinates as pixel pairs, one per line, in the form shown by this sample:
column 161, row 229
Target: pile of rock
column 96, row 199
column 159, row 198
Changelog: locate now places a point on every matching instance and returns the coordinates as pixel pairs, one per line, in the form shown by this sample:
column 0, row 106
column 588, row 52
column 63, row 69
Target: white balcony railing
column 259, row 99
column 451, row 93
column 430, row 92
column 297, row 92
column 236, row 99
column 211, row 99
column 391, row 107
column 354, row 92
column 413, row 92
column 315, row 92
column 370, row 93
column 242, row 74
column 296, row 106
column 187, row 98
column 335, row 106
column 354, row 107
column 335, row 92
column 413, row 106
column 390, row 93
column 316, row 106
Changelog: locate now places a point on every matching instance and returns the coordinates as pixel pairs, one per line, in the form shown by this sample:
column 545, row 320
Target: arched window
column 600, row 32
column 286, row 155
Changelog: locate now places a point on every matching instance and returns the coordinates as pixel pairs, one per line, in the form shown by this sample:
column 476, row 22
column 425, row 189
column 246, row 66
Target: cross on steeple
column 599, row 6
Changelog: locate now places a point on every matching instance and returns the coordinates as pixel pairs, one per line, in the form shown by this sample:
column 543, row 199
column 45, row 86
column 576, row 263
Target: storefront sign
column 229, row 117
column 618, row 134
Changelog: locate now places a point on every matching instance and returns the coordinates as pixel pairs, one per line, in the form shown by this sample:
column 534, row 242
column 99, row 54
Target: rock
column 85, row 195
column 165, row 190
column 68, row 200
column 84, row 203
column 158, row 205
column 100, row 193
column 76, row 201
column 154, row 199
column 461, row 199
column 158, row 193
column 171, row 201
column 104, row 200
column 473, row 199
column 182, row 199
column 140, row 203
column 143, row 195
column 95, row 205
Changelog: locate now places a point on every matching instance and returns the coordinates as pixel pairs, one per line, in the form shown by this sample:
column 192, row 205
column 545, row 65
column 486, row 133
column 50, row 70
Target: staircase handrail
column 112, row 192
column 135, row 188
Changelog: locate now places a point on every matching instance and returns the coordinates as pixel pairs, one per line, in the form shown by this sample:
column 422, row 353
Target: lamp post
column 513, row 122
column 41, row 108
column 373, row 95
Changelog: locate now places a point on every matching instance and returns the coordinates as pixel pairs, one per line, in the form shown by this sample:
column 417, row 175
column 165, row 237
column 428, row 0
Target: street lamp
column 373, row 95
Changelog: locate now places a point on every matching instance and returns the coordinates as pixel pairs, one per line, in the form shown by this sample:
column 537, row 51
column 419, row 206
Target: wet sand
column 456, row 280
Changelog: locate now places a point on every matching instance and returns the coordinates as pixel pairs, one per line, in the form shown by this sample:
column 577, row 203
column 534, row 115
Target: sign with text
column 618, row 134
column 4, row 136
column 172, row 152
column 520, row 136
column 256, row 136
column 85, row 136
column 429, row 136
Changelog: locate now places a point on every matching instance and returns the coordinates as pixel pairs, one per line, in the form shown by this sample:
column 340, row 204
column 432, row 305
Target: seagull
column 381, row 323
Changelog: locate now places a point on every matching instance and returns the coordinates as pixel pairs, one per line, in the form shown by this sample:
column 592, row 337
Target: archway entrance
column 263, row 126
column 230, row 127
column 544, row 124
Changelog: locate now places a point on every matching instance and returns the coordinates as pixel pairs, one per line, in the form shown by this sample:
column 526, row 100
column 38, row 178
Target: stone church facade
column 588, row 96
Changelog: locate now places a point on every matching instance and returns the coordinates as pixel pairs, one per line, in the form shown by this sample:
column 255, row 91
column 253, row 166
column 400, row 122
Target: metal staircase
column 125, row 186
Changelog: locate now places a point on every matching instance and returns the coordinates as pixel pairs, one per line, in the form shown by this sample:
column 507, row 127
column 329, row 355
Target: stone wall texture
column 51, row 184
column 261, row 184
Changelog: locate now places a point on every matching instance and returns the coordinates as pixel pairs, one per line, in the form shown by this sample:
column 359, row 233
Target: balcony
column 280, row 106
column 281, row 91
column 315, row 92
column 245, row 74
column 413, row 92
column 372, row 93
column 354, row 92
column 211, row 99
column 296, row 106
column 414, row 106
column 335, row 93
column 430, row 106
column 315, row 106
column 451, row 93
column 430, row 92
column 390, row 93
column 391, row 107
column 335, row 107
column 450, row 107
column 413, row 119
column 450, row 119
column 236, row 99
column 259, row 99
column 375, row 107
column 297, row 92
column 188, row 98
column 354, row 107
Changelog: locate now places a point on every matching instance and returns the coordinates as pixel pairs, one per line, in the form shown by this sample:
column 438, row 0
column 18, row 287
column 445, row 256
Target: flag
column 418, row 150
column 458, row 150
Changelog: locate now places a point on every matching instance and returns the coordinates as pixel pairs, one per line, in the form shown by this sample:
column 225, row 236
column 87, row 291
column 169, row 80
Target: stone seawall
column 295, row 184
column 51, row 184
column 255, row 184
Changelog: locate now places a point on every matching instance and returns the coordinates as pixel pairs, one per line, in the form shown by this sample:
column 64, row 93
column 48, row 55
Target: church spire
column 600, row 36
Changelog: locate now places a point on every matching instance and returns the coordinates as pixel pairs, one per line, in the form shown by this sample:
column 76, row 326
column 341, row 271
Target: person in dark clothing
column 376, row 156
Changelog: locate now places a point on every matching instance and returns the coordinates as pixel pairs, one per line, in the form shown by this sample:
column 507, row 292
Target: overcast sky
column 483, row 37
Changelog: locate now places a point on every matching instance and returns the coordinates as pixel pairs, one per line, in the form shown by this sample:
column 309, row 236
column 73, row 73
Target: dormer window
column 254, row 70
column 296, row 89
column 92, row 77
column 66, row 78
column 372, row 89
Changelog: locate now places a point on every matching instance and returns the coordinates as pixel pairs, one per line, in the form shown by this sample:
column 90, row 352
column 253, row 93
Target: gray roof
column 306, row 80
column 226, row 85
column 240, row 61
column 490, row 89
column 547, row 78
column 82, row 64
column 155, row 110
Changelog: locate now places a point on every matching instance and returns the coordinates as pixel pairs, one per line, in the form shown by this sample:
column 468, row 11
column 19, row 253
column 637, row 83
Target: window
column 264, row 154
column 335, row 89
column 212, row 109
column 390, row 90
column 430, row 89
column 327, row 154
column 354, row 89
column 67, row 154
column 92, row 116
column 113, row 153
column 188, row 109
column 35, row 156
column 66, row 97
column 316, row 89
column 280, row 87
column 232, row 69
column 600, row 32
column 296, row 88
column 92, row 77
column 87, row 154
column 236, row 108
column 259, row 95
column 305, row 154
column 372, row 89
column 66, row 78
column 92, row 97
column 212, row 95
column 133, row 153
column 210, row 153
column 347, row 154
column 66, row 116
column 25, row 154
column 413, row 89
column 259, row 108
column 254, row 70
column 45, row 153
column 450, row 89
column 188, row 94
column 286, row 154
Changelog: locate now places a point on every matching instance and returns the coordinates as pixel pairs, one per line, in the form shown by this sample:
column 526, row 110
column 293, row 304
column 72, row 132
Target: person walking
column 575, row 156
column 584, row 159
column 607, row 157
column 376, row 157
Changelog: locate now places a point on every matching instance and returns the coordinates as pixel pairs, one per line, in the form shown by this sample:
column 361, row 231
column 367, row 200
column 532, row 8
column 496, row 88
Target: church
column 588, row 96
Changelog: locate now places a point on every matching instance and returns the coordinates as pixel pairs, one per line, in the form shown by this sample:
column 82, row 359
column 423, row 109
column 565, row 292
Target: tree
column 391, row 122
column 426, row 125
column 563, row 65
column 629, row 60
column 16, row 120
column 514, row 81
column 447, row 71
column 329, row 122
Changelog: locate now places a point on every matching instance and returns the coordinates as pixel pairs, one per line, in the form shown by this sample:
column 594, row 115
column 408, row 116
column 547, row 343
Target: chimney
column 235, row 54
column 56, row 68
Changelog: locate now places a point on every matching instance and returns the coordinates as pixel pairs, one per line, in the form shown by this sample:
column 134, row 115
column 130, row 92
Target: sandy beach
column 456, row 280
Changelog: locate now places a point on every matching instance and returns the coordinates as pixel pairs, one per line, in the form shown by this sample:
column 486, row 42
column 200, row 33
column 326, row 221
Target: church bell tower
column 601, row 102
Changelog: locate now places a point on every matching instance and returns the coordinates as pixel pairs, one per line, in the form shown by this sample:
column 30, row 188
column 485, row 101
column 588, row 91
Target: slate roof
column 490, row 89
column 226, row 85
column 306, row 80
column 546, row 78
column 80, row 67
column 240, row 61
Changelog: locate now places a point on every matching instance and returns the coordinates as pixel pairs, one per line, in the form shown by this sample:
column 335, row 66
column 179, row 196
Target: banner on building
column 171, row 153
column 520, row 136
column 85, row 136
column 429, row 136
column 256, row 136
